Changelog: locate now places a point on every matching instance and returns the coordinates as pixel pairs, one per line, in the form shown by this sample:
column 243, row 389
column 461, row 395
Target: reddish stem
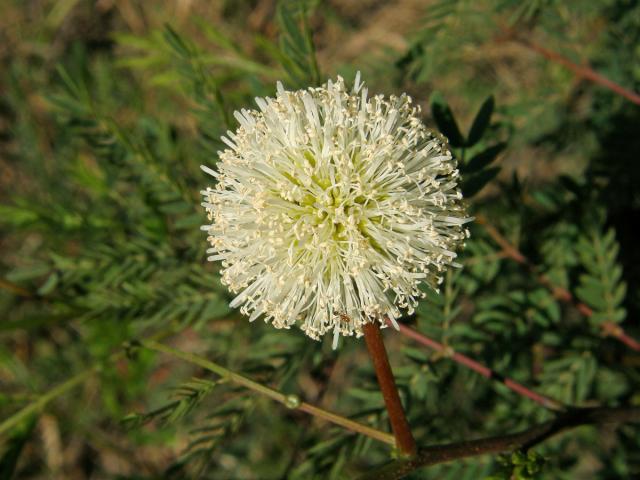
column 546, row 402
column 581, row 71
column 609, row 328
column 616, row 331
column 401, row 430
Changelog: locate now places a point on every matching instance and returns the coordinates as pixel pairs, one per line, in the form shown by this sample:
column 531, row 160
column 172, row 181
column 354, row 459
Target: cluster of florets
column 331, row 208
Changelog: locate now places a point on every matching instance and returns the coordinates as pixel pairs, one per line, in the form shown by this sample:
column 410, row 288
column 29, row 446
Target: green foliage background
column 107, row 109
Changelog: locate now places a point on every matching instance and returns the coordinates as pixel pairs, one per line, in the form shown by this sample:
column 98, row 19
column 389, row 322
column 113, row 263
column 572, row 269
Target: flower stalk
column 405, row 443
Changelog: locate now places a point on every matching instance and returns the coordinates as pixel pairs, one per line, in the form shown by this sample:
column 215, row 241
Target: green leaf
column 180, row 46
column 296, row 44
column 28, row 272
column 14, row 448
column 474, row 183
column 49, row 285
column 445, row 120
column 481, row 122
column 483, row 159
column 189, row 222
column 416, row 354
column 601, row 286
column 17, row 216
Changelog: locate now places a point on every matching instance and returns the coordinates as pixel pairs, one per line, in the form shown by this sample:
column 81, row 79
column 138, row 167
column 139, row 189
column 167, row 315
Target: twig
column 609, row 328
column 290, row 401
column 37, row 405
column 15, row 289
column 486, row 372
column 616, row 331
column 404, row 439
column 525, row 439
column 41, row 401
column 581, row 71
column 322, row 380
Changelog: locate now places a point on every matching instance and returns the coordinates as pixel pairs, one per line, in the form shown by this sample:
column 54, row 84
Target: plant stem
column 616, row 331
column 525, row 440
column 41, row 401
column 15, row 289
column 37, row 405
column 290, row 401
column 581, row 71
column 608, row 328
column 404, row 439
column 486, row 372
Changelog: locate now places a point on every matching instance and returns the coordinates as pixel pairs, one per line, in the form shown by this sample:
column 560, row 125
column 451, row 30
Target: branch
column 581, row 71
column 524, row 440
column 290, row 401
column 37, row 405
column 15, row 289
column 322, row 380
column 486, row 372
column 616, row 331
column 609, row 328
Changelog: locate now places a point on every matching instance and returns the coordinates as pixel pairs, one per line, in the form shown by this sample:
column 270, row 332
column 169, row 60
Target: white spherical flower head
column 330, row 208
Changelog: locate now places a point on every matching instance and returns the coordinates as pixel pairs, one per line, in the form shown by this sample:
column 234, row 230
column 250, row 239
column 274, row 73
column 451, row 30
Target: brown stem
column 520, row 389
column 581, row 71
column 404, row 439
column 522, row 440
column 608, row 328
column 15, row 289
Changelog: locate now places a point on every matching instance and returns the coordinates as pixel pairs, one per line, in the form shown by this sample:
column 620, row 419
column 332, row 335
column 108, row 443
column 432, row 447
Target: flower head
column 331, row 208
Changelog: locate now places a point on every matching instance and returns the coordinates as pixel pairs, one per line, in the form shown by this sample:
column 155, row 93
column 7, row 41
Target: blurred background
column 107, row 109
